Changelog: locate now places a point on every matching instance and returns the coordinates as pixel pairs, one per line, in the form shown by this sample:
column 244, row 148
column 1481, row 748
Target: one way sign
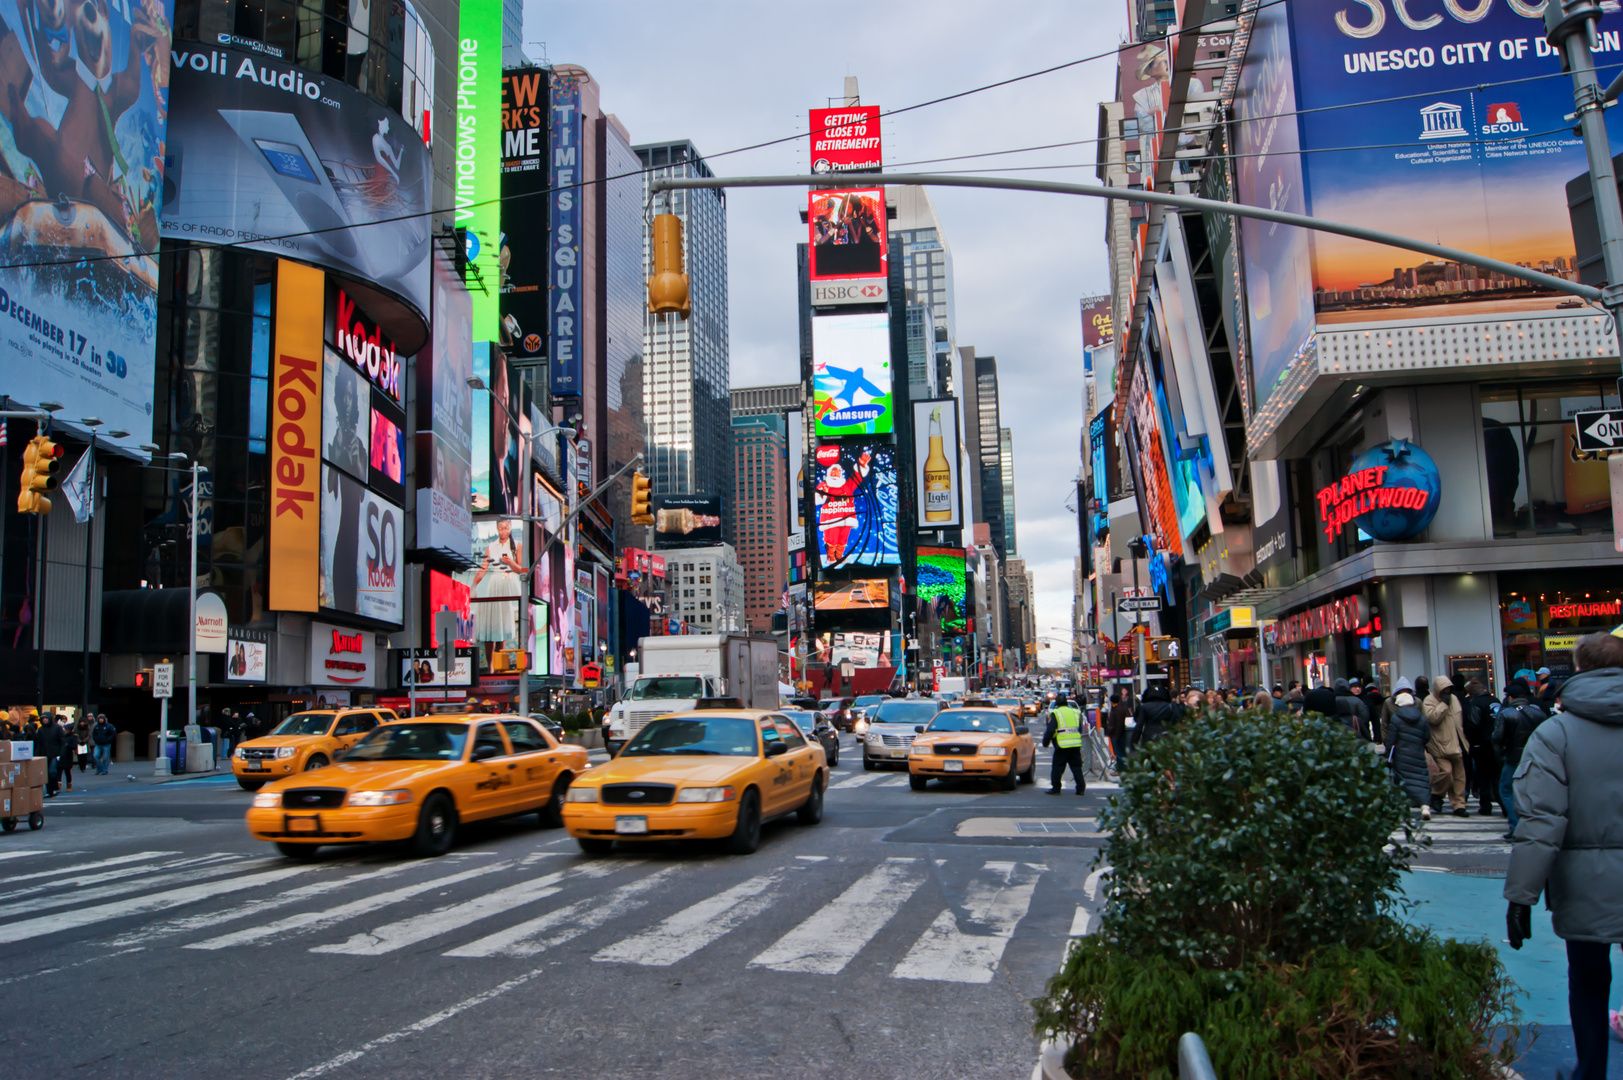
column 1600, row 430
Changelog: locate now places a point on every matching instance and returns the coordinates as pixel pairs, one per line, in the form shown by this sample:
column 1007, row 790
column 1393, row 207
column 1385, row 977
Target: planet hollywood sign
column 1391, row 492
column 1341, row 616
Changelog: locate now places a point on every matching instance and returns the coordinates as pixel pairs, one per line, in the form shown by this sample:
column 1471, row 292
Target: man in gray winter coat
column 1569, row 841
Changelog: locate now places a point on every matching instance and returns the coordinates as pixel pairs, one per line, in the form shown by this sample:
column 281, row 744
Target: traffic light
column 41, row 461
column 642, row 492
column 668, row 288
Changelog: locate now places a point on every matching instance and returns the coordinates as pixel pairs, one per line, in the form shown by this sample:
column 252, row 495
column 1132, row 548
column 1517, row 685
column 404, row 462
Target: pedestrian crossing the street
column 1471, row 835
column 941, row 920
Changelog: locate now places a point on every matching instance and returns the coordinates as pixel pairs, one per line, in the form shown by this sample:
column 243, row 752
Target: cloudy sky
column 727, row 75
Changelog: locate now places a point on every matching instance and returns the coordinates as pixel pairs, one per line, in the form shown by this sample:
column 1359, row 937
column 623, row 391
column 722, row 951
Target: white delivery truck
column 952, row 684
column 675, row 672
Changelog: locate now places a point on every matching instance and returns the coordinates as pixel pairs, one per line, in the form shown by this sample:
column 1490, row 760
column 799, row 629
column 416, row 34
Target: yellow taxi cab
column 305, row 740
column 987, row 742
column 418, row 780
column 710, row 774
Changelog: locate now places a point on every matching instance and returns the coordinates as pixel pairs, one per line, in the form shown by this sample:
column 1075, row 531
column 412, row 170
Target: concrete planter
column 591, row 738
column 1051, row 1063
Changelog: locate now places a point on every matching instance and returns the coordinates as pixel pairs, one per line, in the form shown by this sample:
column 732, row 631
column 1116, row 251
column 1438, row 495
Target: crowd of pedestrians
column 62, row 743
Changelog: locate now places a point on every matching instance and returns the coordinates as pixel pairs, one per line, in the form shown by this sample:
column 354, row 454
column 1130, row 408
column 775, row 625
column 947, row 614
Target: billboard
column 943, row 583
column 341, row 656
column 246, row 661
column 846, row 139
column 446, row 593
column 868, row 594
column 523, row 255
column 83, row 122
column 687, row 520
column 478, row 154
column 1098, row 325
column 1481, row 169
column 266, row 155
column 362, row 549
column 935, row 456
column 851, row 374
column 1148, row 452
column 855, row 498
column 847, row 234
column 445, row 420
column 346, row 407
column 796, row 488
column 422, row 667
column 862, row 650
column 564, row 227
column 296, row 421
column 1268, row 172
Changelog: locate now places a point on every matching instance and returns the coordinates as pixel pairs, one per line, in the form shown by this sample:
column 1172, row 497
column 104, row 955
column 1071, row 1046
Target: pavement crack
column 850, row 1043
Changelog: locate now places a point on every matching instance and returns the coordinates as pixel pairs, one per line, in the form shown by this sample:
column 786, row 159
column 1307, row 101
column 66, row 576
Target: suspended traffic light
column 642, row 511
column 41, row 462
column 668, row 288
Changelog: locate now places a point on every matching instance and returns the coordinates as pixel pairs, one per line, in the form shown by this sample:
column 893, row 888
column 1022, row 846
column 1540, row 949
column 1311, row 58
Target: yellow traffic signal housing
column 504, row 661
column 668, row 288
column 642, row 489
column 41, row 461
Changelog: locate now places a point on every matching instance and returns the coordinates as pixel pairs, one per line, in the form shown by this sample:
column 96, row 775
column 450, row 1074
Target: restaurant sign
column 1341, row 616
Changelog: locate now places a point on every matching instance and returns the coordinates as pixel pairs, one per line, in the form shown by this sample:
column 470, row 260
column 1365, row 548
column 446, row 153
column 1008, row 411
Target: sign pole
column 163, row 686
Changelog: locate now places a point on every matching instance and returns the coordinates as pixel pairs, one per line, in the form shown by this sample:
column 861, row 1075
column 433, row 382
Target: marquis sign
column 1391, row 493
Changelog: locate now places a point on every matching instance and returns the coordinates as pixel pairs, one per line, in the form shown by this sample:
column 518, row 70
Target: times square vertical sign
column 564, row 218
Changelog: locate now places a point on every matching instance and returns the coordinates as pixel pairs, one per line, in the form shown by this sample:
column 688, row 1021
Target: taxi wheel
column 317, row 761
column 436, row 826
column 747, row 833
column 918, row 783
column 1008, row 779
column 250, row 785
column 1030, row 775
column 552, row 813
column 811, row 811
column 301, row 852
column 594, row 846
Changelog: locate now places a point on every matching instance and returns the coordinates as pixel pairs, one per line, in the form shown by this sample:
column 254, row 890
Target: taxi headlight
column 237, row 753
column 995, row 751
column 581, row 794
column 706, row 794
column 267, row 800
column 921, row 748
column 392, row 797
column 286, row 751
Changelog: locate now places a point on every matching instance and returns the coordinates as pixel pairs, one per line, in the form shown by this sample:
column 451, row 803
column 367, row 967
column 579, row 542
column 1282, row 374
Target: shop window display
column 1542, row 615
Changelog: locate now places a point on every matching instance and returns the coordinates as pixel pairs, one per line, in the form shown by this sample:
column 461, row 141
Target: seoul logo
column 1504, row 118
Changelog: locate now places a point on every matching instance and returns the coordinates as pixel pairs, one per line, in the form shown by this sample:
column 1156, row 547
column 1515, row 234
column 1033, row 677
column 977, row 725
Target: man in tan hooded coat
column 1445, row 712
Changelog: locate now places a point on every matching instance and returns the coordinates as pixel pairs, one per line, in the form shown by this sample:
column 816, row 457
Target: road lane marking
column 694, row 927
column 894, row 781
column 120, row 860
column 22, row 854
column 409, row 931
column 528, row 938
column 306, row 921
column 204, row 866
column 831, row 938
column 72, row 920
column 855, row 781
column 996, row 902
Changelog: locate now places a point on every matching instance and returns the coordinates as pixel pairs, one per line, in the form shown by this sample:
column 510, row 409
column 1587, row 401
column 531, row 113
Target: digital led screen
column 855, row 500
column 943, row 586
column 847, row 234
column 851, row 374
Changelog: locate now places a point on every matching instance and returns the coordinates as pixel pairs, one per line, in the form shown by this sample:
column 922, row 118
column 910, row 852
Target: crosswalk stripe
column 855, row 781
column 996, row 900
column 23, row 854
column 77, row 917
column 315, row 920
column 410, row 931
column 527, row 938
column 209, row 920
column 894, row 781
column 694, row 927
column 831, row 938
column 204, row 866
column 139, row 856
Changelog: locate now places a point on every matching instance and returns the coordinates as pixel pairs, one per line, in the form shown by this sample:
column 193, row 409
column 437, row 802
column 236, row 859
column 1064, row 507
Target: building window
column 1536, row 485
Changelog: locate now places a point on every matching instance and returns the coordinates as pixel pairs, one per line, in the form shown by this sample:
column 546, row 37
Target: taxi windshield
column 731, row 736
column 411, row 742
column 304, row 723
column 905, row 712
column 972, row 721
column 667, row 687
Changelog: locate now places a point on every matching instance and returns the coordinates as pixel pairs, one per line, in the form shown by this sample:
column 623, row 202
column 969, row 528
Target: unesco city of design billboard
column 83, row 98
column 851, row 374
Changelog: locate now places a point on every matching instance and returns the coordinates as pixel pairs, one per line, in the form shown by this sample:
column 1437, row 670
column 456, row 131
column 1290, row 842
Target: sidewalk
column 119, row 774
column 1473, row 907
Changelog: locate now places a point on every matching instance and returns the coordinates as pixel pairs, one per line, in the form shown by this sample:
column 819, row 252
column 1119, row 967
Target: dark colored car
column 818, row 729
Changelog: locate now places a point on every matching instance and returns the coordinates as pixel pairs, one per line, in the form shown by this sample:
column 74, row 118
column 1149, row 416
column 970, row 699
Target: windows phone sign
column 861, row 291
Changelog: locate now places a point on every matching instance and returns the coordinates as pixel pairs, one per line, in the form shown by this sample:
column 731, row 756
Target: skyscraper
column 1005, row 459
column 983, row 441
column 760, row 514
column 927, row 273
column 686, row 362
column 772, row 400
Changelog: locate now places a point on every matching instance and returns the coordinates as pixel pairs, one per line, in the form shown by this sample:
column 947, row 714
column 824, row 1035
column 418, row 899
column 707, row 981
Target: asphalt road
column 142, row 933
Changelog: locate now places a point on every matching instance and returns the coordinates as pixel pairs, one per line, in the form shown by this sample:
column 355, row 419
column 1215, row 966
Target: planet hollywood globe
column 1411, row 475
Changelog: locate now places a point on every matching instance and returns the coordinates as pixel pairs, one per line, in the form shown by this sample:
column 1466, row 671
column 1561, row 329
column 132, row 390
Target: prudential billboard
column 1456, row 119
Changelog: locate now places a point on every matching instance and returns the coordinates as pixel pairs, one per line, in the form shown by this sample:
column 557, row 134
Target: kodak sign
column 295, row 525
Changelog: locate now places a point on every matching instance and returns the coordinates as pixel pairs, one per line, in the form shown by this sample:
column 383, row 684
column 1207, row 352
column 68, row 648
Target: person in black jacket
column 1518, row 717
column 1406, row 735
column 48, row 745
column 1154, row 715
column 1351, row 709
column 1480, row 707
column 101, row 743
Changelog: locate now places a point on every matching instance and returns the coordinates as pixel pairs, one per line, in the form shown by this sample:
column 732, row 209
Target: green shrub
column 1252, row 898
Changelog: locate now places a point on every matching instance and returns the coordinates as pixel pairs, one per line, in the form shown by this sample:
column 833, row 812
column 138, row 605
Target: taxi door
column 777, row 773
column 491, row 774
column 534, row 764
column 803, row 758
column 349, row 729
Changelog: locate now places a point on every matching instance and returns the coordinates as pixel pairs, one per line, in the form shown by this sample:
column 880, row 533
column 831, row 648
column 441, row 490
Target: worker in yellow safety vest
column 1064, row 732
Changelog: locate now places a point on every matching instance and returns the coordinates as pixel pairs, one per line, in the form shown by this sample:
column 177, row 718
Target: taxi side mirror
column 485, row 753
column 918, row 729
column 776, row 749
column 1022, row 730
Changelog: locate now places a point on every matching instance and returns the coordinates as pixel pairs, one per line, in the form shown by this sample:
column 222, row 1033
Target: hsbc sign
column 866, row 291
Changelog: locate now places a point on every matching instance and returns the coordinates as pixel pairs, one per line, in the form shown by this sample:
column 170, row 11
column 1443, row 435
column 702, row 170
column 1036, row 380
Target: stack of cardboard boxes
column 22, row 780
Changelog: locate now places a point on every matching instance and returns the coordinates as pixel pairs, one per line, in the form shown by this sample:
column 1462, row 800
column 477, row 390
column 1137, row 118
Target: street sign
column 1129, row 604
column 163, row 680
column 1599, row 429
